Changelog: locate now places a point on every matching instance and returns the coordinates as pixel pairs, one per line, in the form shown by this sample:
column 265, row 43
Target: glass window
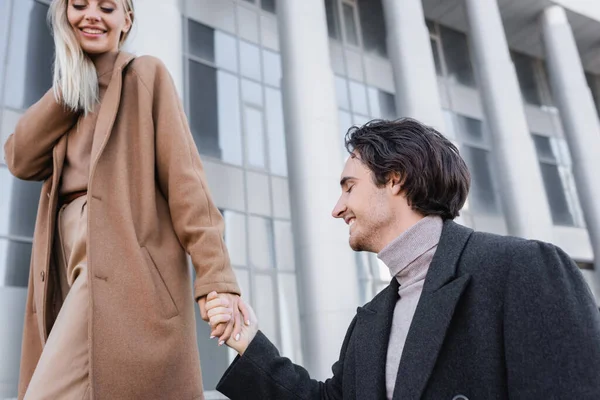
column 471, row 130
column 525, row 67
column 387, row 104
column 544, row 148
column 358, row 94
column 15, row 258
column 458, row 60
column 230, row 125
column 436, row 57
column 350, row 24
column 255, row 136
column 272, row 68
column 252, row 93
column 226, row 54
column 290, row 318
column 268, row 5
column 264, row 304
column 250, row 60
column 450, row 131
column 203, row 113
column 201, row 41
column 341, row 91
column 482, row 196
column 3, row 36
column 561, row 214
column 333, row 24
column 18, row 204
column 372, row 23
column 284, row 245
column 30, row 55
column 235, row 237
column 261, row 242
column 430, row 26
column 345, row 124
column 276, row 132
column 594, row 84
column 360, row 120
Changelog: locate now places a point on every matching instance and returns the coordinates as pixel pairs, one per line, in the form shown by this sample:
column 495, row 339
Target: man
column 467, row 315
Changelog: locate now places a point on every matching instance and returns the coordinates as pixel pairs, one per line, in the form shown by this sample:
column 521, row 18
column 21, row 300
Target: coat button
column 43, row 276
column 460, row 397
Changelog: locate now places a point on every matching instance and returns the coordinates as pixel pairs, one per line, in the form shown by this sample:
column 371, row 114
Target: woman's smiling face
column 98, row 24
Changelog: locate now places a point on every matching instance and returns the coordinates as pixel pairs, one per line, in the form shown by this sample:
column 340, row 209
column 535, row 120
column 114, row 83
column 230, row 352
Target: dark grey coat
column 499, row 318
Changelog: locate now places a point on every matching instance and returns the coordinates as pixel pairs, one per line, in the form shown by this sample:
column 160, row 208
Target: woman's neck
column 104, row 62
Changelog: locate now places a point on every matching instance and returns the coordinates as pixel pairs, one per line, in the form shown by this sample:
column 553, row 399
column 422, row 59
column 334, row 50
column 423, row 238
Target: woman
column 124, row 198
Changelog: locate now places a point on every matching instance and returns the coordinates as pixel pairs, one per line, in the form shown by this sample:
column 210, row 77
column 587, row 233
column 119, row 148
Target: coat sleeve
column 28, row 151
column 261, row 373
column 197, row 222
column 551, row 327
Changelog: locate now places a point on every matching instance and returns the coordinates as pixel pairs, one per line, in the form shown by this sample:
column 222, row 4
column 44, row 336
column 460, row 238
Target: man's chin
column 357, row 245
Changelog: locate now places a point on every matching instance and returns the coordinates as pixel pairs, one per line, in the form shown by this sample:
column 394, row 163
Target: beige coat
column 148, row 204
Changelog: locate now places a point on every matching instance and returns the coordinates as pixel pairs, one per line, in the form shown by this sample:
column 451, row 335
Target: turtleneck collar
column 402, row 252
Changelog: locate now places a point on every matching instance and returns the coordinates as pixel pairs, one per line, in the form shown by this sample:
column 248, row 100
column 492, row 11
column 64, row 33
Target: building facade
column 270, row 88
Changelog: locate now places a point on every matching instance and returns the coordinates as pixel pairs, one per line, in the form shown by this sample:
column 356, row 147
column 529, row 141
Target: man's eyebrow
column 346, row 179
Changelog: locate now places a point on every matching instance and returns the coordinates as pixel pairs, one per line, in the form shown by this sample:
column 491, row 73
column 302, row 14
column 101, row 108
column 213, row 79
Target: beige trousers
column 63, row 369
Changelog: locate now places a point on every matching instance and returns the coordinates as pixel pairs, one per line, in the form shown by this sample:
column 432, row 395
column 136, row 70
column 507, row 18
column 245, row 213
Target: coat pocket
column 163, row 295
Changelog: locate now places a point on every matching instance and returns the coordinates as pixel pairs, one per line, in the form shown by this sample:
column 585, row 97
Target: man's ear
column 396, row 182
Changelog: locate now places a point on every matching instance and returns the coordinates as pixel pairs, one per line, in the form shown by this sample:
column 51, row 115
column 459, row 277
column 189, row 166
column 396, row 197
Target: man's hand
column 218, row 311
column 230, row 321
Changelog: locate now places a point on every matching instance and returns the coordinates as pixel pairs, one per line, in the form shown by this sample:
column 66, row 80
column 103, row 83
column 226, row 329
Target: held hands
column 229, row 323
column 220, row 312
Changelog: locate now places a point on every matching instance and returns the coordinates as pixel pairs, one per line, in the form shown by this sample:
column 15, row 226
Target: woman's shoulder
column 148, row 69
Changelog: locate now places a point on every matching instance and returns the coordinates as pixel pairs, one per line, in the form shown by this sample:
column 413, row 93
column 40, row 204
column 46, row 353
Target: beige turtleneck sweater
column 408, row 257
column 76, row 168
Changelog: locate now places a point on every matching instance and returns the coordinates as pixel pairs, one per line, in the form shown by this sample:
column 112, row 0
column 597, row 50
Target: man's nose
column 339, row 209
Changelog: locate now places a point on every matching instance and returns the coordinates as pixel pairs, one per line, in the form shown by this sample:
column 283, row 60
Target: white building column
column 409, row 48
column 328, row 283
column 578, row 113
column 157, row 31
column 521, row 186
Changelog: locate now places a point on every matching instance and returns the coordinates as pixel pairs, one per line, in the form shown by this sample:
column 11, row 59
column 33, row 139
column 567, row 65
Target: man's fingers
column 218, row 310
column 212, row 295
column 218, row 302
column 218, row 330
column 245, row 311
column 202, row 306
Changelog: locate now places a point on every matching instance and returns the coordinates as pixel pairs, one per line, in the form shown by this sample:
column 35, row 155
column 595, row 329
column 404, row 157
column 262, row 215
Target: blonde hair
column 75, row 81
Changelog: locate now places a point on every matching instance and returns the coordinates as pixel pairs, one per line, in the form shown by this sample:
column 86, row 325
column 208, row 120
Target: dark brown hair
column 435, row 178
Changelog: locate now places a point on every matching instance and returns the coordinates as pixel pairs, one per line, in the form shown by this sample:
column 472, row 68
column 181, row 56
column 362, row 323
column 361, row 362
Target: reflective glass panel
column 3, row 35
column 436, row 57
column 15, row 258
column 30, row 55
column 291, row 346
column 350, row 24
column 333, row 24
column 341, row 91
column 264, row 304
column 261, row 242
column 482, row 196
column 203, row 113
column 18, row 204
column 255, row 136
column 272, row 68
column 561, row 214
column 284, row 245
column 276, row 132
column 372, row 23
column 252, row 92
column 201, row 40
column 268, row 5
column 525, row 67
column 235, row 237
column 458, row 60
column 471, row 130
column 358, row 94
column 226, row 54
column 230, row 124
column 544, row 148
column 250, row 60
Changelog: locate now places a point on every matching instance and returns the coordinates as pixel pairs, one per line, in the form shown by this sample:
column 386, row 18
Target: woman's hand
column 219, row 309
